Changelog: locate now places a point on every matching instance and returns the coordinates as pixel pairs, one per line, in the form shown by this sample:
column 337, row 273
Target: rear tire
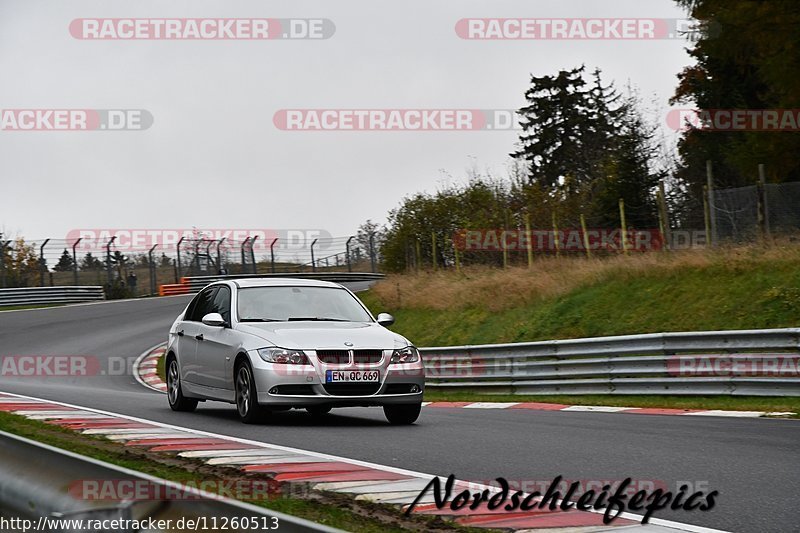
column 402, row 415
column 177, row 401
column 246, row 395
column 318, row 412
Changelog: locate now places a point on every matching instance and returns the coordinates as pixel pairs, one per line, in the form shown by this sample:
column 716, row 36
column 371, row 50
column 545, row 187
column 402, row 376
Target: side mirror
column 385, row 319
column 213, row 319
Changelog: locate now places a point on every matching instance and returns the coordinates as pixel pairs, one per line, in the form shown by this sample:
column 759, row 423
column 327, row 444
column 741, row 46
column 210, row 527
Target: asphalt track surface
column 753, row 463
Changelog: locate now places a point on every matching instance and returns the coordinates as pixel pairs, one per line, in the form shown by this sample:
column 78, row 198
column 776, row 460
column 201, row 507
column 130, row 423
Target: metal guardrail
column 37, row 480
column 50, row 295
column 192, row 284
column 658, row 363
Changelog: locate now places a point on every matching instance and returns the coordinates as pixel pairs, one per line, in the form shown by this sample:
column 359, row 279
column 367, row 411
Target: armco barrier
column 49, row 295
column 193, row 284
column 751, row 362
column 33, row 490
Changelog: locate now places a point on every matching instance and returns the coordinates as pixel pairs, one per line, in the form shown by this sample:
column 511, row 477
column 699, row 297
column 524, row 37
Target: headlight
column 283, row 357
column 409, row 354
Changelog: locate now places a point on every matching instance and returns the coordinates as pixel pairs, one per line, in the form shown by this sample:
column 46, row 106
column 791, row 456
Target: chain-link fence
column 129, row 264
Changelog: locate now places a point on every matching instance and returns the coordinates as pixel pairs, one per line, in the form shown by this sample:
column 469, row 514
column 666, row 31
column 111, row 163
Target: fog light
column 273, row 390
column 414, row 388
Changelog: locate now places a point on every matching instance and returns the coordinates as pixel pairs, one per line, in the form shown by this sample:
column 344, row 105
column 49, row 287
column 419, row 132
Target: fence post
column 372, row 251
column 253, row 254
column 42, row 263
column 178, row 272
column 712, row 214
column 272, row 255
column 153, row 270
column 763, row 211
column 706, row 215
column 244, row 259
column 347, row 254
column 313, row 262
column 3, row 244
column 208, row 253
column 624, row 226
column 108, row 260
column 433, row 250
column 418, row 257
column 529, row 238
column 555, row 235
column 75, row 261
column 457, row 256
column 585, row 237
column 197, row 255
column 219, row 255
column 666, row 233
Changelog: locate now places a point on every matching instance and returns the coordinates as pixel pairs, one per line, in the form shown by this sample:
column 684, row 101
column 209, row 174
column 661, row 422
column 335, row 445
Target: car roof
column 283, row 282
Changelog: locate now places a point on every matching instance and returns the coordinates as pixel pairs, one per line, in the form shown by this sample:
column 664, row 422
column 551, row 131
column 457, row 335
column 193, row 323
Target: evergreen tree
column 65, row 262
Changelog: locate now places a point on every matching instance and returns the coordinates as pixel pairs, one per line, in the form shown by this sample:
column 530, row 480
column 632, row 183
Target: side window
column 191, row 307
column 222, row 303
column 204, row 304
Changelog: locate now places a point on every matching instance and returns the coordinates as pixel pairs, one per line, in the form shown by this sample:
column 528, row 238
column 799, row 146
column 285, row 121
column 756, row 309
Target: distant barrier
column 749, row 362
column 192, row 284
column 49, row 295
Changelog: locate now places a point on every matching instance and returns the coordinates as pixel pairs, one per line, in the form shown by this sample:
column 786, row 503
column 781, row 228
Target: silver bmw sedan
column 277, row 344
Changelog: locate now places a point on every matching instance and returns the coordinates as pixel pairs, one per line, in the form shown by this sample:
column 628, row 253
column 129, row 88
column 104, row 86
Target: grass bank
column 732, row 288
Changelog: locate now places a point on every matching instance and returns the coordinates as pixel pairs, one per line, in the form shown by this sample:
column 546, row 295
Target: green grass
column 725, row 403
column 745, row 294
column 337, row 515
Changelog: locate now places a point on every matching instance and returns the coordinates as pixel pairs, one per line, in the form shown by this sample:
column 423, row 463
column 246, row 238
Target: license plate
column 352, row 376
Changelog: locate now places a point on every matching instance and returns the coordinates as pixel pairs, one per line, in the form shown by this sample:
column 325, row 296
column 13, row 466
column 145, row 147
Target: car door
column 216, row 345
column 189, row 331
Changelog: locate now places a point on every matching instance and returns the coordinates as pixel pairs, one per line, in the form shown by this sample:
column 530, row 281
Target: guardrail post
column 253, row 254
column 347, row 254
column 42, row 263
column 151, row 264
column 244, row 258
column 313, row 262
column 178, row 272
column 75, row 261
column 108, row 258
column 219, row 256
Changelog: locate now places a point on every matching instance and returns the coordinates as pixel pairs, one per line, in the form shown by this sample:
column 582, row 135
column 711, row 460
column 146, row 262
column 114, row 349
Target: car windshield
column 282, row 304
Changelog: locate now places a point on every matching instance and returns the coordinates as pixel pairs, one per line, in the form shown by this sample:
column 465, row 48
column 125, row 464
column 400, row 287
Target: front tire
column 402, row 415
column 246, row 395
column 177, row 401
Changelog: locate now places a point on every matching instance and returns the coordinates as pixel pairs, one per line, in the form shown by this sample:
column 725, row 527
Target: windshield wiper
column 260, row 320
column 316, row 319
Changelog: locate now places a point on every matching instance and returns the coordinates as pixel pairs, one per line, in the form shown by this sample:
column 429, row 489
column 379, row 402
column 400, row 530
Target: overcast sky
column 213, row 157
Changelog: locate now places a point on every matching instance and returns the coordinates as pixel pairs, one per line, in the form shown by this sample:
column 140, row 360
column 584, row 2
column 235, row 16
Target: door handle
column 180, row 333
column 199, row 337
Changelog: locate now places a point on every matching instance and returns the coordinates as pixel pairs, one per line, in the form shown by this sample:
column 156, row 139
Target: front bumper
column 278, row 385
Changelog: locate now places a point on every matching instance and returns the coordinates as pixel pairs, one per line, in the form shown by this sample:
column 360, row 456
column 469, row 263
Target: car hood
column 328, row 335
